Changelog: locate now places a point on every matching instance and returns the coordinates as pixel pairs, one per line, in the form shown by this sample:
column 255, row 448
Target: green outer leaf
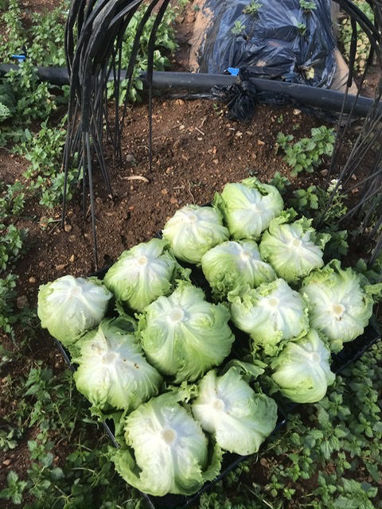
column 184, row 335
column 302, row 369
column 234, row 266
column 193, row 230
column 112, row 369
column 270, row 321
column 339, row 302
column 70, row 306
column 144, row 273
column 294, row 249
column 248, row 207
column 157, row 467
column 247, row 370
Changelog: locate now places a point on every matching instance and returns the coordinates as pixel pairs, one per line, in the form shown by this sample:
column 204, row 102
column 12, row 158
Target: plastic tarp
column 282, row 40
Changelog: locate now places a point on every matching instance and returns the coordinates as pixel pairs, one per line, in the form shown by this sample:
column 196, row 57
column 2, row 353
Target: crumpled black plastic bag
column 241, row 97
column 273, row 44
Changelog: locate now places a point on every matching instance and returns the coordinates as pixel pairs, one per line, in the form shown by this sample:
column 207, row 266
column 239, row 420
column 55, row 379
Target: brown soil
column 196, row 150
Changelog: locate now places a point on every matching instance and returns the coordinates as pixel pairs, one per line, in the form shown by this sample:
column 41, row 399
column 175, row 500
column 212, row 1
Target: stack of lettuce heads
column 155, row 348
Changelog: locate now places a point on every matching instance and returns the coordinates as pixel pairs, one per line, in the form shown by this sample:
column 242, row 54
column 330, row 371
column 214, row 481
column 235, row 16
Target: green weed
column 252, row 9
column 363, row 43
column 238, row 28
column 165, row 45
column 307, row 153
column 308, row 6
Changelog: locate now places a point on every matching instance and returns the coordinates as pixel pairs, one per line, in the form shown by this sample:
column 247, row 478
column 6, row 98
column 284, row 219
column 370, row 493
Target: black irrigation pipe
column 325, row 99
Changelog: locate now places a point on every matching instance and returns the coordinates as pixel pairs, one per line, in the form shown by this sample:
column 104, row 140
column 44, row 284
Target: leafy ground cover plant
column 11, row 249
column 307, row 153
column 165, row 46
column 252, row 8
column 363, row 43
column 308, row 6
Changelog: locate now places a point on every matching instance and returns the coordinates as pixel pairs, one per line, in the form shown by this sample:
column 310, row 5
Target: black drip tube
column 325, row 99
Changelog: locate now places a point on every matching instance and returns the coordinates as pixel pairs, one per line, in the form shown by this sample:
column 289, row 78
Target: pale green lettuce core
column 184, row 335
column 234, row 266
column 193, row 230
column 269, row 314
column 112, row 368
column 302, row 370
column 239, row 418
column 70, row 306
column 293, row 250
column 248, row 207
column 340, row 305
column 142, row 274
column 167, row 450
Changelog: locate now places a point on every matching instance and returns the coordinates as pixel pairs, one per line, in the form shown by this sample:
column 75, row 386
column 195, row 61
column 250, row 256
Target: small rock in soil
column 71, row 259
column 7, row 462
column 32, row 280
column 44, row 221
column 22, row 302
column 260, row 143
column 61, row 266
column 130, row 158
column 68, row 228
column 324, row 172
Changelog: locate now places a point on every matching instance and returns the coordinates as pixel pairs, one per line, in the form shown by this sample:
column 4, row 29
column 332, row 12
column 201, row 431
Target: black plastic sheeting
column 281, row 41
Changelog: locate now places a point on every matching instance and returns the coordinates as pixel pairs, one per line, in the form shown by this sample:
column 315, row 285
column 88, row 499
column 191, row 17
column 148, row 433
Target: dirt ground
column 196, row 150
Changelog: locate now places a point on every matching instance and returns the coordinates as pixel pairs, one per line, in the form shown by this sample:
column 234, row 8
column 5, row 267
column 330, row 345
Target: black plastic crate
column 351, row 352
